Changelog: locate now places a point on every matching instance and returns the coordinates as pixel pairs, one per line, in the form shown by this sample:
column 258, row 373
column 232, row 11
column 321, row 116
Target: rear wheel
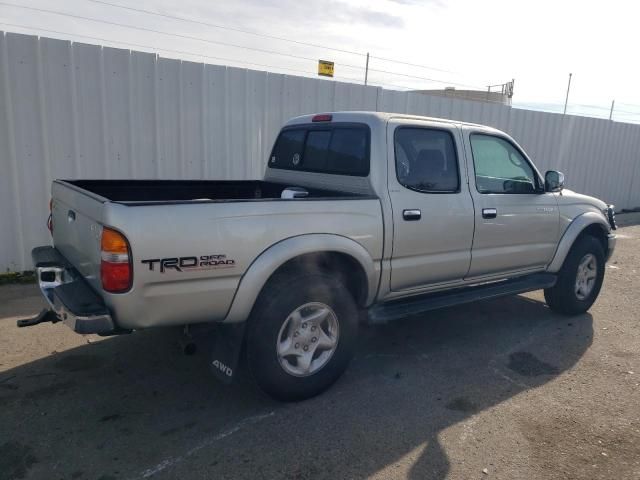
column 301, row 335
column 579, row 280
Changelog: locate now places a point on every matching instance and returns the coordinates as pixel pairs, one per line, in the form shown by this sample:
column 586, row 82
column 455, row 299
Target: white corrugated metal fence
column 71, row 110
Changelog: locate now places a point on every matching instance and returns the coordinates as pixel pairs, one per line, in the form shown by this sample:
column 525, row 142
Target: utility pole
column 566, row 100
column 366, row 70
column 613, row 102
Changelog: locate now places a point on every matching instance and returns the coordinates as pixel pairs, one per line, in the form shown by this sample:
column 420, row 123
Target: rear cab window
column 338, row 148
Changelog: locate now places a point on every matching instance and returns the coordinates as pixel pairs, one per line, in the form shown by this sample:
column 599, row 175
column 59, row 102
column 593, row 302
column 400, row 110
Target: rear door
column 516, row 221
column 431, row 204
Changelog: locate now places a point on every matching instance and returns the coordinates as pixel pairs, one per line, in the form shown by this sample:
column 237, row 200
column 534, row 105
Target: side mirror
column 553, row 181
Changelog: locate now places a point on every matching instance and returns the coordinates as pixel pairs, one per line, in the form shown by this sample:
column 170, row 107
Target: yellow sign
column 325, row 68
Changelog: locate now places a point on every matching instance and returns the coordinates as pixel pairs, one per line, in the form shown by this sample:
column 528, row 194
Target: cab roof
column 382, row 117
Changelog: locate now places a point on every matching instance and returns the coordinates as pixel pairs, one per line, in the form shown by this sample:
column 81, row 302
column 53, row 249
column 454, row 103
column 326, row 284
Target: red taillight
column 116, row 277
column 115, row 266
column 321, row 118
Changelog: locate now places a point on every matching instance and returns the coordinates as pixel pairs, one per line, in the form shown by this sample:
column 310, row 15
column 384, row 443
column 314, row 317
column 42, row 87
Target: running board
column 385, row 312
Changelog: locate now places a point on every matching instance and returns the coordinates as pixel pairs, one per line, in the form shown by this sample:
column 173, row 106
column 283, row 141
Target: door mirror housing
column 553, row 181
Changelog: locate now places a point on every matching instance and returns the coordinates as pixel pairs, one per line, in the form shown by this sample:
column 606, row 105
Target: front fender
column 277, row 255
column 575, row 228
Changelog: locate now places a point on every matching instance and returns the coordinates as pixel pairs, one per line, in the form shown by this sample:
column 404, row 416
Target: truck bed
column 131, row 192
column 236, row 221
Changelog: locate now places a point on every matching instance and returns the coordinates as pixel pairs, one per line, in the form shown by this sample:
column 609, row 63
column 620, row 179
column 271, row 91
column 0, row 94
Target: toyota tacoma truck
column 361, row 216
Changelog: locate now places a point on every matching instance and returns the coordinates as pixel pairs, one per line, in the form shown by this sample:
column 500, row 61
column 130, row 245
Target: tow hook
column 46, row 315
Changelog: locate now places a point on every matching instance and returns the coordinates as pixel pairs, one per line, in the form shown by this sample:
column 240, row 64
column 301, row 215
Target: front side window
column 500, row 167
column 426, row 160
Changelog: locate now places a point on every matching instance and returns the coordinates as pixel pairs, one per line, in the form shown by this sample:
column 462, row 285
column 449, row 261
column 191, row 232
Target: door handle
column 71, row 216
column 489, row 212
column 411, row 215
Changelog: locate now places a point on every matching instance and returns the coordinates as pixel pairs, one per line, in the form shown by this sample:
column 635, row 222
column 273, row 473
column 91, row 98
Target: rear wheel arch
column 312, row 253
column 348, row 270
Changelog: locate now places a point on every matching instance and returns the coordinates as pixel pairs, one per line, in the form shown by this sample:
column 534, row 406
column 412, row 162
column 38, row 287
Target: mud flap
column 227, row 346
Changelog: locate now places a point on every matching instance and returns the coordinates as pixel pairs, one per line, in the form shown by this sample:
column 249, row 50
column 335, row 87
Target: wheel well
column 599, row 233
column 349, row 270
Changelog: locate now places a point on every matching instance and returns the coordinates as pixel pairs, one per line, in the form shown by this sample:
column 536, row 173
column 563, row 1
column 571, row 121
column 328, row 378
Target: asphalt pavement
column 501, row 389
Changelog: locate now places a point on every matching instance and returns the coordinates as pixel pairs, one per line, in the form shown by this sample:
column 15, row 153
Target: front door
column 516, row 221
column 432, row 207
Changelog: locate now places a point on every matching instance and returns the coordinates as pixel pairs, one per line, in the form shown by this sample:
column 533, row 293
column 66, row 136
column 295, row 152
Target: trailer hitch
column 46, row 315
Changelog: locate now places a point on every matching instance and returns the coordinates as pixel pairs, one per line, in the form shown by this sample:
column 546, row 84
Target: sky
column 462, row 43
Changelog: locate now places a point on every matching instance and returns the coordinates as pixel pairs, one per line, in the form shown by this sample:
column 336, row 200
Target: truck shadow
column 134, row 406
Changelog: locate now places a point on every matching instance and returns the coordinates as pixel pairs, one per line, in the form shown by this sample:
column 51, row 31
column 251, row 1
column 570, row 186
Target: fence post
column 613, row 102
column 366, row 70
column 566, row 100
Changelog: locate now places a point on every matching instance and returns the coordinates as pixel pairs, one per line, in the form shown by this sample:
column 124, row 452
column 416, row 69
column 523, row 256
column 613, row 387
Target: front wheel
column 301, row 335
column 579, row 280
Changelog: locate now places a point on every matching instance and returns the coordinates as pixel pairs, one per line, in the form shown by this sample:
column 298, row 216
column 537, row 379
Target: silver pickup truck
column 361, row 216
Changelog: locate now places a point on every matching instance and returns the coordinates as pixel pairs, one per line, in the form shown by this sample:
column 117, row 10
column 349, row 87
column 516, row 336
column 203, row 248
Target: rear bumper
column 70, row 297
column 612, row 245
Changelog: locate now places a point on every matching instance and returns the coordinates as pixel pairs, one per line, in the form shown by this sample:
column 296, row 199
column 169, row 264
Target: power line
column 264, row 35
column 195, row 54
column 185, row 52
column 206, row 40
column 182, row 52
column 188, row 37
column 616, row 111
column 424, row 78
column 628, row 104
column 598, row 107
column 214, row 25
column 409, row 63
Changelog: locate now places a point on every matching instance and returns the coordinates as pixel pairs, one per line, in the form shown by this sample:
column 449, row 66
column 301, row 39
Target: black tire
column 280, row 297
column 562, row 297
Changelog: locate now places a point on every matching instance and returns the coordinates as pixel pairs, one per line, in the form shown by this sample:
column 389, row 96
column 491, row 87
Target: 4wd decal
column 189, row 264
column 223, row 368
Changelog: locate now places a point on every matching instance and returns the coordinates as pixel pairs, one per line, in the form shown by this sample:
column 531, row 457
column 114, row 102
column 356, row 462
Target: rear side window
column 348, row 151
column 336, row 149
column 288, row 149
column 316, row 149
column 426, row 160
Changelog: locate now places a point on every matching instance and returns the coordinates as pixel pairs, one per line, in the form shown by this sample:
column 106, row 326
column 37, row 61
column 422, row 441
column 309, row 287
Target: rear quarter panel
column 239, row 231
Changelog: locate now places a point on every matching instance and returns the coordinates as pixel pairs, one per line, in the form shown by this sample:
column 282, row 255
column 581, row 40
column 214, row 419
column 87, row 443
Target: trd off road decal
column 189, row 264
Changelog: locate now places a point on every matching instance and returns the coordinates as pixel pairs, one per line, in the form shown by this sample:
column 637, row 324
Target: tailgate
column 77, row 226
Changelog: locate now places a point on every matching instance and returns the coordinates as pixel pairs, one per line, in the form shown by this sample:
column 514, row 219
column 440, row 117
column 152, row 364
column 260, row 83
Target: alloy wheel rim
column 307, row 339
column 586, row 276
